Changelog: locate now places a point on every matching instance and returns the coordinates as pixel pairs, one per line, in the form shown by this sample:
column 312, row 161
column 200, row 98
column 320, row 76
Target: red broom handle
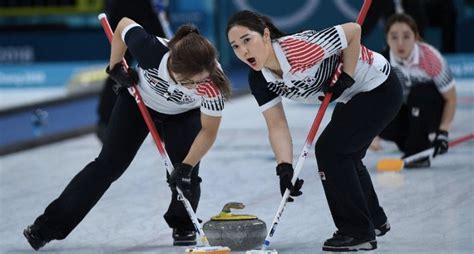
column 461, row 139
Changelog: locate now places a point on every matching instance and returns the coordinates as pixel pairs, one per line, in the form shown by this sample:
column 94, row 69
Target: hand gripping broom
column 306, row 148
column 206, row 248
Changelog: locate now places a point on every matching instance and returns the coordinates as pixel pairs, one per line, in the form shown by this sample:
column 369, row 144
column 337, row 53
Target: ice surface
column 430, row 210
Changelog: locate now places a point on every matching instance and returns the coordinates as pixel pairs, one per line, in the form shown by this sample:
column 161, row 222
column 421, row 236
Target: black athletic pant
column 141, row 11
column 416, row 120
column 426, row 13
column 125, row 134
column 339, row 151
column 443, row 14
column 385, row 8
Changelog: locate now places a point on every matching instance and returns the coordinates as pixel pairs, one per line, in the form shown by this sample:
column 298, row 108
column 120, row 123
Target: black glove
column 285, row 172
column 345, row 81
column 121, row 77
column 181, row 177
column 440, row 143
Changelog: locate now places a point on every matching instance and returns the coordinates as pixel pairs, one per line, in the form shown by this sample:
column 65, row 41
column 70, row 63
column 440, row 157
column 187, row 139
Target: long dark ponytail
column 254, row 22
column 191, row 53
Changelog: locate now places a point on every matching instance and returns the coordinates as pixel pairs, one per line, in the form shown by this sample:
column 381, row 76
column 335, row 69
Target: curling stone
column 237, row 231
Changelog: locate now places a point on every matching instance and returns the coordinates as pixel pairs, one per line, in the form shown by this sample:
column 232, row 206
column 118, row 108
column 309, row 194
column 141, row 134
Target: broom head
column 390, row 165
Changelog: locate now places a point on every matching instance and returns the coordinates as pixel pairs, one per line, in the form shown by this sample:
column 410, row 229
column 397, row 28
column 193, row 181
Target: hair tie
column 193, row 30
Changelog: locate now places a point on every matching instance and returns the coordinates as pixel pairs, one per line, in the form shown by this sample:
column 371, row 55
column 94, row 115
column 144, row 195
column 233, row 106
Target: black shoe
column 341, row 242
column 382, row 229
column 34, row 237
column 423, row 162
column 184, row 237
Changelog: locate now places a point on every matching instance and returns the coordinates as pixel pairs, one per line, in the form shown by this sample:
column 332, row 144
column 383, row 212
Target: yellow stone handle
column 232, row 205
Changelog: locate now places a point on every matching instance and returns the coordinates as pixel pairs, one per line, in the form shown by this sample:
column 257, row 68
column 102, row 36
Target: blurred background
column 53, row 52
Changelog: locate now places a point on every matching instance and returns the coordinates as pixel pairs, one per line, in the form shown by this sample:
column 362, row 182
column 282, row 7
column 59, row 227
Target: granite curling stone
column 239, row 232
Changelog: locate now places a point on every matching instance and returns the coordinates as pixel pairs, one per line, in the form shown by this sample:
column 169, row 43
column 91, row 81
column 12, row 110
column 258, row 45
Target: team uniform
column 308, row 59
column 425, row 75
column 176, row 112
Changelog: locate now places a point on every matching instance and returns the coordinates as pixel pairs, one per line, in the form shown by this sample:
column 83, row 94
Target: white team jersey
column 308, row 60
column 158, row 90
column 425, row 65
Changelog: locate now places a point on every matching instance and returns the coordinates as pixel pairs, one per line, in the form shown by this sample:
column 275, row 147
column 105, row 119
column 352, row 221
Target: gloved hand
column 123, row 80
column 285, row 172
column 440, row 143
column 345, row 81
column 181, row 177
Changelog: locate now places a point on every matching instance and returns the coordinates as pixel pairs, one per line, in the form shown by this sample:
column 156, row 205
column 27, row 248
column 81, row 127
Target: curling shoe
column 382, row 229
column 423, row 162
column 184, row 237
column 340, row 242
column 35, row 239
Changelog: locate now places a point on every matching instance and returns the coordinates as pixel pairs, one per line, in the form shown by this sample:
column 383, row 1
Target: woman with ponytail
column 299, row 67
column 184, row 88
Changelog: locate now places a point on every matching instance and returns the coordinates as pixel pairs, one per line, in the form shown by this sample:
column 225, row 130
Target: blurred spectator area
column 15, row 8
column 67, row 30
column 48, row 14
column 50, row 30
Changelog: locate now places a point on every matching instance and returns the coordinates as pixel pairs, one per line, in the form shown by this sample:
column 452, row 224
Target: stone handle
column 232, row 205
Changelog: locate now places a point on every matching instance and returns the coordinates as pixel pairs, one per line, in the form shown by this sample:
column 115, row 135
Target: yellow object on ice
column 226, row 214
column 390, row 165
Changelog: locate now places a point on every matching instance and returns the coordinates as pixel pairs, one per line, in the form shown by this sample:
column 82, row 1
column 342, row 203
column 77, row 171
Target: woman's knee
column 109, row 169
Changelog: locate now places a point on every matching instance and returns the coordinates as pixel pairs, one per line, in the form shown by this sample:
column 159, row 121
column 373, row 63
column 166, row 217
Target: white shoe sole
column 372, row 245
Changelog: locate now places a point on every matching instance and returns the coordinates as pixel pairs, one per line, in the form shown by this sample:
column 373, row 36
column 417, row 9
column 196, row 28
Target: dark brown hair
column 191, row 53
column 254, row 22
column 402, row 18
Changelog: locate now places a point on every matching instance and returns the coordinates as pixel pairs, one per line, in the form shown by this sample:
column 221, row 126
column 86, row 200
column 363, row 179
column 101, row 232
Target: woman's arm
column 119, row 48
column 204, row 140
column 449, row 109
column 351, row 53
column 279, row 133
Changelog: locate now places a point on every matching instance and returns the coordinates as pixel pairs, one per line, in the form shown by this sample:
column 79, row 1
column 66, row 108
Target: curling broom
column 308, row 143
column 398, row 164
column 168, row 165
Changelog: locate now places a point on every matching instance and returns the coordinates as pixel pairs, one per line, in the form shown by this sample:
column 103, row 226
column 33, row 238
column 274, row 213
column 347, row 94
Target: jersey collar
column 413, row 58
column 281, row 58
column 163, row 69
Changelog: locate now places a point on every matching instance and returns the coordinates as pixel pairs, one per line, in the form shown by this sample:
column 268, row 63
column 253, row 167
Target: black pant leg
column 107, row 100
column 378, row 9
column 179, row 134
column 416, row 9
column 123, row 138
column 350, row 131
column 141, row 11
column 425, row 107
column 397, row 130
column 376, row 211
column 443, row 14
